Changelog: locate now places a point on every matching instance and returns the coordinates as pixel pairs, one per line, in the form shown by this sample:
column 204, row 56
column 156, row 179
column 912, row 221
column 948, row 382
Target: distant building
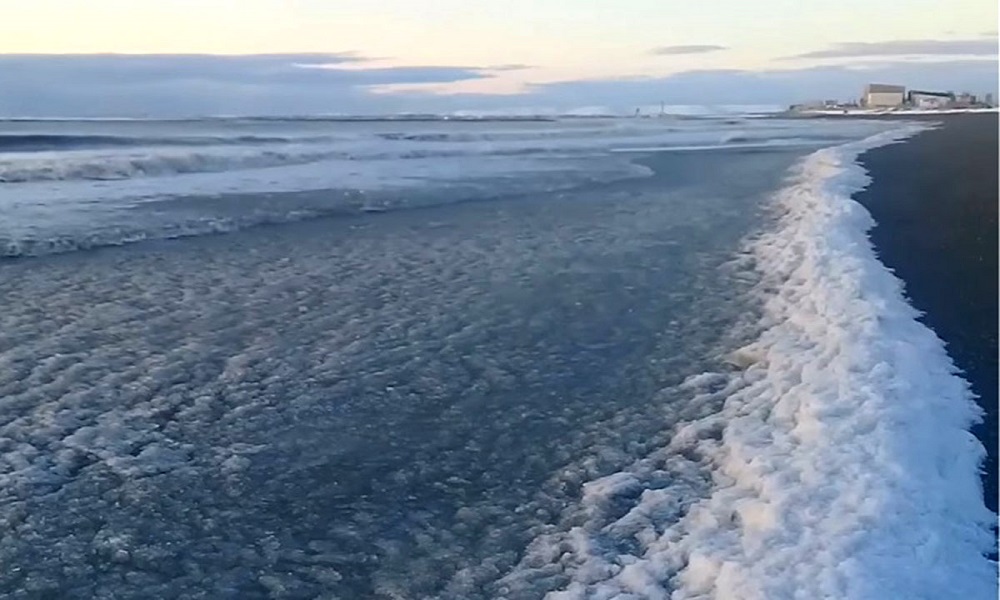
column 988, row 101
column 811, row 105
column 964, row 100
column 922, row 99
column 880, row 95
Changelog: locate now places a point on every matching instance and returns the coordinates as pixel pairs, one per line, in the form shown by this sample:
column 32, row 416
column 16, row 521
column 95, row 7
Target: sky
column 196, row 57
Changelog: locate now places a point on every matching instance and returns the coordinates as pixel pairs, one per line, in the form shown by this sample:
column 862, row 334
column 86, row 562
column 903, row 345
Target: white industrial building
column 880, row 95
column 921, row 99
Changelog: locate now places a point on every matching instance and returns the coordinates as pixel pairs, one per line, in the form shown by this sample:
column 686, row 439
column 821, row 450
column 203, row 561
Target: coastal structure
column 881, row 95
column 886, row 98
column 923, row 99
column 965, row 100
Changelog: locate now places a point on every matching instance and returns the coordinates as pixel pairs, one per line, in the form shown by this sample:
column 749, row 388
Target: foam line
column 845, row 467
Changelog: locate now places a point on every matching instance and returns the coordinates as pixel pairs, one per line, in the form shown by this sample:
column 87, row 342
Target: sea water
column 582, row 358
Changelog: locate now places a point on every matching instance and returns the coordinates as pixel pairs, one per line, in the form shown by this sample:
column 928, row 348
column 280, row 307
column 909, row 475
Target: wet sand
column 934, row 199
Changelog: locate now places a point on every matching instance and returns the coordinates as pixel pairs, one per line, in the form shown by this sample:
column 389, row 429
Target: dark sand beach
column 934, row 199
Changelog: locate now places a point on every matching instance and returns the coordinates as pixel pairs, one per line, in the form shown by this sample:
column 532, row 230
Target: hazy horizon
column 115, row 58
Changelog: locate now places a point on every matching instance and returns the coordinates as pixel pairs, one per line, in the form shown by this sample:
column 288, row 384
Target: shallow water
column 389, row 405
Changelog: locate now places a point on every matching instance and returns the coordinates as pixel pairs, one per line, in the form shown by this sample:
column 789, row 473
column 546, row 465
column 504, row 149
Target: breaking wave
column 98, row 167
column 840, row 464
column 39, row 142
column 128, row 152
column 63, row 187
column 163, row 162
column 181, row 216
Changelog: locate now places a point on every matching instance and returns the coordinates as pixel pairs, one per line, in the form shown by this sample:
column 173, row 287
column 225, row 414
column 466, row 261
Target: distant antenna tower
column 663, row 108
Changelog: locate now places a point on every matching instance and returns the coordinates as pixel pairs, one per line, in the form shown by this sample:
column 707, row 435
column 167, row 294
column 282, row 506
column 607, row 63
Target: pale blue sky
column 441, row 53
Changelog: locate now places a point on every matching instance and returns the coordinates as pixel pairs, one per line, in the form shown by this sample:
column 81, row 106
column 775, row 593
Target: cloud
column 965, row 47
column 509, row 67
column 299, row 69
column 182, row 84
column 335, row 74
column 775, row 86
column 178, row 86
column 134, row 67
column 687, row 49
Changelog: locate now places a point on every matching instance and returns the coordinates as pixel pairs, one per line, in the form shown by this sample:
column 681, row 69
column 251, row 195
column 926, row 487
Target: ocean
column 469, row 358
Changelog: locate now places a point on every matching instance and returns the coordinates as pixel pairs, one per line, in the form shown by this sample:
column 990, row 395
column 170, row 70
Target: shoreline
column 891, row 114
column 934, row 202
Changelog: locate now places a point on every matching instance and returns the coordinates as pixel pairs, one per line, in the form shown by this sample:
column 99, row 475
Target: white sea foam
column 152, row 162
column 100, row 189
column 84, row 151
column 842, row 465
column 762, row 145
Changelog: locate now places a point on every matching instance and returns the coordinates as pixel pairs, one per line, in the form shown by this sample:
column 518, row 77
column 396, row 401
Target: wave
column 182, row 216
column 402, row 117
column 121, row 235
column 73, row 157
column 616, row 129
column 92, row 167
column 158, row 162
column 736, row 144
column 330, row 118
column 841, row 463
column 38, row 142
column 154, row 163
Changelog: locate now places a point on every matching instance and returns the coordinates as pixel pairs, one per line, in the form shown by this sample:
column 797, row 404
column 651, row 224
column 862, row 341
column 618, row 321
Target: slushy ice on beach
column 560, row 358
